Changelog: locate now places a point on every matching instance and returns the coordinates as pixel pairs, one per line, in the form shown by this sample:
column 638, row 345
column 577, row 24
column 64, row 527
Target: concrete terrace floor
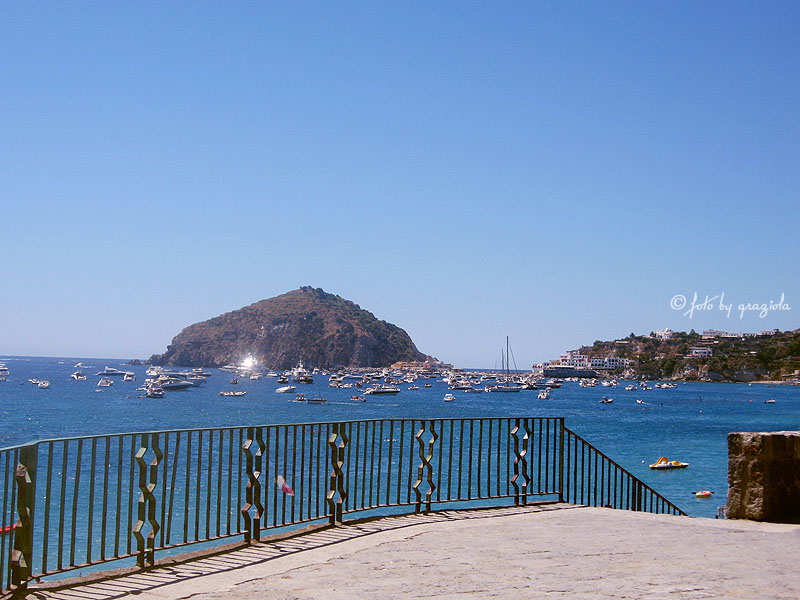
column 549, row 551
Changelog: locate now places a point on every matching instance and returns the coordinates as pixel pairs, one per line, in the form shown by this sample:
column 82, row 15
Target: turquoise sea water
column 689, row 423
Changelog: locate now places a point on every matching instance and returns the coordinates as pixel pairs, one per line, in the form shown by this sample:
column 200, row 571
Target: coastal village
column 713, row 355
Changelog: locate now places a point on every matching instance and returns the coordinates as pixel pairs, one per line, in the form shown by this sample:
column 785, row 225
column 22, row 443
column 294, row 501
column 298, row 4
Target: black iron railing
column 79, row 502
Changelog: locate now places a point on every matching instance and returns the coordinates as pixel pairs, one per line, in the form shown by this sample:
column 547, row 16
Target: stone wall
column 764, row 476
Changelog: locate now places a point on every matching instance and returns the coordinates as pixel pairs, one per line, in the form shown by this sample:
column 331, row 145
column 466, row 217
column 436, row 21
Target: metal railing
column 79, row 502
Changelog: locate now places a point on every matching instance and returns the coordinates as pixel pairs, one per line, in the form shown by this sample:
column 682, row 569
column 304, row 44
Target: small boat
column 129, row 376
column 630, row 388
column 414, row 387
column 43, row 385
column 233, row 393
column 317, row 400
column 770, row 401
column 105, row 382
column 78, row 376
column 358, row 398
column 703, row 494
column 664, row 463
column 33, row 381
column 449, row 397
column 154, row 391
column 286, row 389
column 234, row 381
column 606, row 400
column 543, row 395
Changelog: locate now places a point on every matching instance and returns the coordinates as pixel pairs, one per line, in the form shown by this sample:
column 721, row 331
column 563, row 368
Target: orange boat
column 664, row 463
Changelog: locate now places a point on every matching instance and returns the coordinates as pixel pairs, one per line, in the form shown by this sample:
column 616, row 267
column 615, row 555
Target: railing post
column 22, row 554
column 561, row 459
column 147, row 501
column 520, row 458
column 252, row 481
column 425, row 463
column 336, row 482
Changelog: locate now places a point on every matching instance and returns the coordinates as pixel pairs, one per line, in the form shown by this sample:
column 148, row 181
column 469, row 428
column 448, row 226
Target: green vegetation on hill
column 760, row 358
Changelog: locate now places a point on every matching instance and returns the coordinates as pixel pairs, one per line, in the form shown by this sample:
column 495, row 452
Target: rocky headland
column 308, row 324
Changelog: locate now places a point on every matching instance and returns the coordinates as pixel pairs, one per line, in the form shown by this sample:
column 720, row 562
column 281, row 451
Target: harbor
column 688, row 423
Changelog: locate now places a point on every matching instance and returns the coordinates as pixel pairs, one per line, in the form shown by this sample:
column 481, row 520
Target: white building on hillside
column 573, row 358
column 612, row 362
column 664, row 334
column 709, row 334
column 700, row 352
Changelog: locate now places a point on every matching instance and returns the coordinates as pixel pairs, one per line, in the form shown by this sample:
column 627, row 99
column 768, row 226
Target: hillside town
column 712, row 355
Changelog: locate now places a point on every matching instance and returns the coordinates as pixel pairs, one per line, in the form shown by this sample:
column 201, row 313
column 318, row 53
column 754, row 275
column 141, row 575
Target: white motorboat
column 105, row 382
column 111, row 372
column 302, row 375
column 154, row 391
column 78, row 376
column 43, row 385
column 449, row 397
column 502, row 387
column 129, row 376
column 285, row 389
column 173, row 384
column 383, row 389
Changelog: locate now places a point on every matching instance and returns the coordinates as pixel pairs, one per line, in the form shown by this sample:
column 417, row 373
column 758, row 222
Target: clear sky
column 552, row 171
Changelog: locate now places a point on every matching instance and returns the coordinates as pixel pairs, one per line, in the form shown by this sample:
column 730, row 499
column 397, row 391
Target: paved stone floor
column 555, row 551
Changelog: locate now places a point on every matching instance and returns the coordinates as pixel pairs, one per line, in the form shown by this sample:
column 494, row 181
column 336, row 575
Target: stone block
column 764, row 476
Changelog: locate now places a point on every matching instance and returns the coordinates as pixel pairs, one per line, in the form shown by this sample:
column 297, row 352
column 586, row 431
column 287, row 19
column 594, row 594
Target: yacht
column 383, row 389
column 286, row 389
column 173, row 384
column 78, row 376
column 301, row 375
column 502, row 387
column 129, row 376
column 111, row 372
column 4, row 370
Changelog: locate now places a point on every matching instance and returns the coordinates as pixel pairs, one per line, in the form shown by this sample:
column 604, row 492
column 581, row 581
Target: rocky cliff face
column 321, row 329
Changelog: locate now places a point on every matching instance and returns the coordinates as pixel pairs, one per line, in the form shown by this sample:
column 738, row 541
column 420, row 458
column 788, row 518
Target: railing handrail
column 238, row 427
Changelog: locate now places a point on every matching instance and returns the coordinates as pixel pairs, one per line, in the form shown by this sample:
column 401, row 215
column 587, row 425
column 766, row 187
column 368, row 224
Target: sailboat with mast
column 506, row 384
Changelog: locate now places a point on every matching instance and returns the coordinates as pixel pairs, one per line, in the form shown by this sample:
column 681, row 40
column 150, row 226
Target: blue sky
column 556, row 172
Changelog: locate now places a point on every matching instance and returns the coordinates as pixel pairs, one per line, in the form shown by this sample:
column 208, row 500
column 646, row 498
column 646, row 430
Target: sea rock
column 764, row 476
column 321, row 329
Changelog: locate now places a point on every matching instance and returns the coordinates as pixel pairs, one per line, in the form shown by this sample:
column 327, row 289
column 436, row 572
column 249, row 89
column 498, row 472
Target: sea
column 689, row 423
